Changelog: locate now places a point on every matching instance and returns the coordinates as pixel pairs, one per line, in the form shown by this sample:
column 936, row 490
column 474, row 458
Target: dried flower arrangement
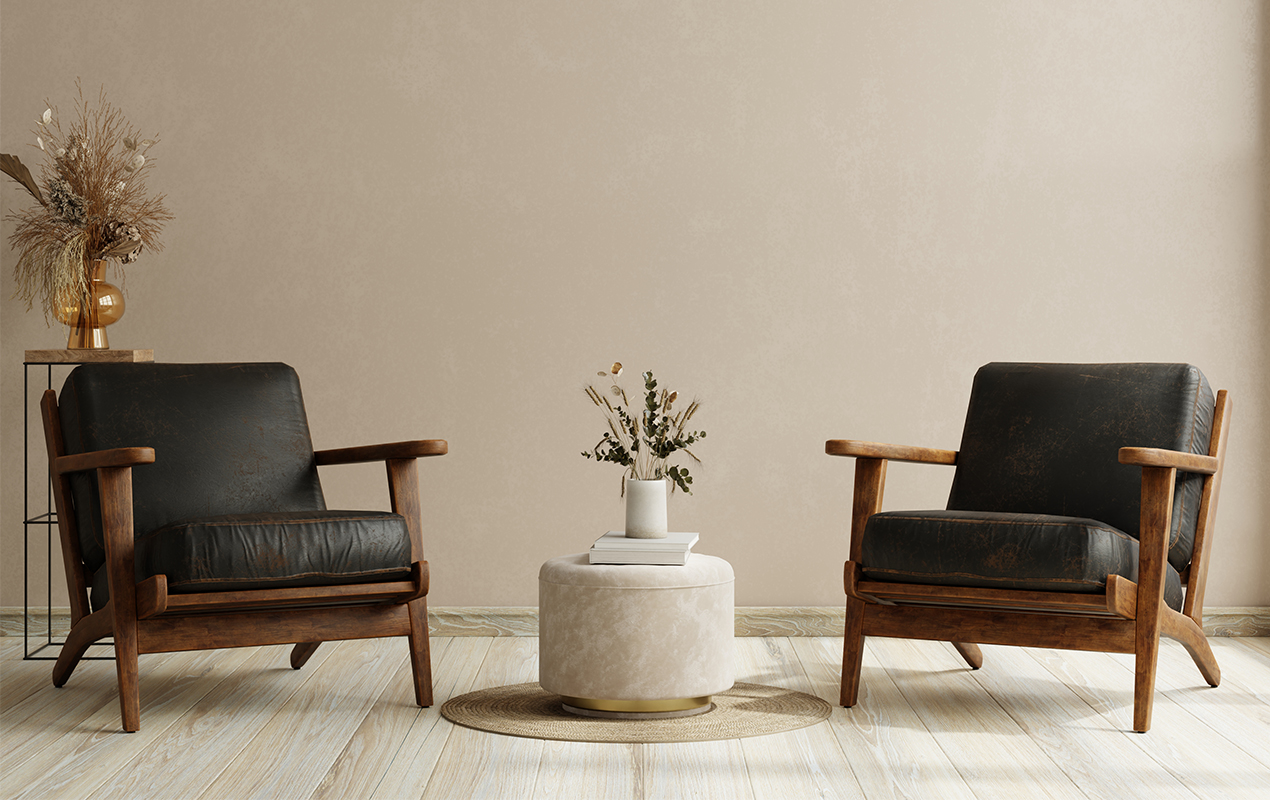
column 94, row 205
column 643, row 441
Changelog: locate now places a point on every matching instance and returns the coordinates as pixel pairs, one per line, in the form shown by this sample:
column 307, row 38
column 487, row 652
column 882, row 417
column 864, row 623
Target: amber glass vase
column 88, row 319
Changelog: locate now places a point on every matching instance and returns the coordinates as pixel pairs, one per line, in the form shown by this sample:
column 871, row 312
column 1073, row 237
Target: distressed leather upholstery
column 233, row 500
column 1037, row 552
column 1039, row 500
column 271, row 551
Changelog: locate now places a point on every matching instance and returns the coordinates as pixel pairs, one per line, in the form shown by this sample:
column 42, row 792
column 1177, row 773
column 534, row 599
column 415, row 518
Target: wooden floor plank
column 1203, row 759
column 988, row 748
column 476, row 764
column 93, row 686
column 13, row 648
column 1256, row 643
column 1070, row 710
column 1074, row 735
column 35, row 639
column 582, row 769
column 91, row 751
column 179, row 763
column 889, row 749
column 804, row 763
column 294, row 750
column 20, row 679
column 364, row 760
column 700, row 770
column 1239, row 708
column 1256, row 655
column 412, row 765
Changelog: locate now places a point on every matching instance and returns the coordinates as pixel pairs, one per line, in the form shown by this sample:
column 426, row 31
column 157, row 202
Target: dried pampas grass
column 94, row 205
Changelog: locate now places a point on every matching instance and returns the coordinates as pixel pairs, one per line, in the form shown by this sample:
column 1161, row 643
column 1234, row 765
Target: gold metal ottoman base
column 637, row 709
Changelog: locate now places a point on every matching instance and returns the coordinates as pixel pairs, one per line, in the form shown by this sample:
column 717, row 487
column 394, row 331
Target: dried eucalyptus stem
column 643, row 441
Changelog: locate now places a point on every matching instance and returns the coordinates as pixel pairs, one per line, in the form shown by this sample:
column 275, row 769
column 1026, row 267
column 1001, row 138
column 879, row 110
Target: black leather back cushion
column 1044, row 439
column 227, row 439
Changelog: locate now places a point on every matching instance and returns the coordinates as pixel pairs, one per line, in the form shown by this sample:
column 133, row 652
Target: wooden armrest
column 382, row 452
column 98, row 459
column 890, row 452
column 1157, row 457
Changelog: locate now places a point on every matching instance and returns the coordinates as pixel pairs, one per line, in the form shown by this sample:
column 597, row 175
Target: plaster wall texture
column 819, row 218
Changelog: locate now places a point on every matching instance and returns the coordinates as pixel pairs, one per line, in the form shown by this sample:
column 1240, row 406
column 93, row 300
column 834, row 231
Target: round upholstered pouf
column 635, row 639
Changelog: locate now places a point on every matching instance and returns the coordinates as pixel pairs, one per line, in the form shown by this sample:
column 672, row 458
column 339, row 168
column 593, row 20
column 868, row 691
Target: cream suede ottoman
column 619, row 640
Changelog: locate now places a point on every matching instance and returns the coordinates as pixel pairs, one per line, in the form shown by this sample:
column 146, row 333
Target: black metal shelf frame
column 48, row 521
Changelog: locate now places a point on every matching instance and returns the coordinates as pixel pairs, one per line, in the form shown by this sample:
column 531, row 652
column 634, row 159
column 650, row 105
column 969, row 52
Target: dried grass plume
column 93, row 203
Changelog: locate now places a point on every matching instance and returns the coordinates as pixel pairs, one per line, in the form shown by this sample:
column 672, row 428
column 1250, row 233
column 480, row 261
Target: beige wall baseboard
column 750, row 621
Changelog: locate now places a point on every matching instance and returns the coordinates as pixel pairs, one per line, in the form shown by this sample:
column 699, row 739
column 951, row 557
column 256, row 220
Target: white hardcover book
column 614, row 548
column 674, row 542
column 628, row 557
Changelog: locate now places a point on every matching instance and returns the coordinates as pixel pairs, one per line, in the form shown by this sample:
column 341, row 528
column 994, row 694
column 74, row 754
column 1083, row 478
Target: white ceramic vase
column 646, row 509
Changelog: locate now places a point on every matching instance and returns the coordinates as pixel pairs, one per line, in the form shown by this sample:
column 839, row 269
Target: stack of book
column 614, row 548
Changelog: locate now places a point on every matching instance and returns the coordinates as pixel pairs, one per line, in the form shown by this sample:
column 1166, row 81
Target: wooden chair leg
column 970, row 652
column 1185, row 630
column 1146, row 655
column 420, row 655
column 1204, row 659
column 128, row 669
column 301, row 652
column 86, row 631
column 852, row 652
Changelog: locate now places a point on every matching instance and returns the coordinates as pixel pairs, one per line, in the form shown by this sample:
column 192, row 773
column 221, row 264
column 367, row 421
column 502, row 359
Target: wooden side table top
column 87, row 356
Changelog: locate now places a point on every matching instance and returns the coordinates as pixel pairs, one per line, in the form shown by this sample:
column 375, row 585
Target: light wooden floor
column 1031, row 723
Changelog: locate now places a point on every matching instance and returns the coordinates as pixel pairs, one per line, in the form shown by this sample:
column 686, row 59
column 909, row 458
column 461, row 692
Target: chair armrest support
column 1157, row 457
column 890, row 452
column 100, row 459
column 866, row 500
column 403, row 492
column 403, row 477
column 870, row 477
column 117, row 527
column 1153, row 542
column 382, row 452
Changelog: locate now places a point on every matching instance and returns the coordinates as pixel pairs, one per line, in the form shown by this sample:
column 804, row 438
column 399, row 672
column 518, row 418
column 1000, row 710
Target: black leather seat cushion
column 227, row 439
column 271, row 550
column 1038, row 552
column 1045, row 439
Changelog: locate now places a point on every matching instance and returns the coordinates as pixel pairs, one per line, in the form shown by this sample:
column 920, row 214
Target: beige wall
column 821, row 218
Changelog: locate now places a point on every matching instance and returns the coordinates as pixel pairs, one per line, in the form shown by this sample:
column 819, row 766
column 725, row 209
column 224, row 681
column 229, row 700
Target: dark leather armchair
column 1080, row 518
column 191, row 517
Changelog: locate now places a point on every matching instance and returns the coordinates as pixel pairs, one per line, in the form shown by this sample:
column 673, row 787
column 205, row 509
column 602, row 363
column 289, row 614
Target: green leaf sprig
column 642, row 441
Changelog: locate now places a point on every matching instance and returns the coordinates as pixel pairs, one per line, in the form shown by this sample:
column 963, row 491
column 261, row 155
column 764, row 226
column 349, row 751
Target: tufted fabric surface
column 272, row 550
column 1044, row 439
column 1005, row 551
column 635, row 632
column 227, row 439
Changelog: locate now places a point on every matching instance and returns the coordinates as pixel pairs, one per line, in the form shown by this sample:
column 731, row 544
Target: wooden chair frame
column 1128, row 618
column 144, row 618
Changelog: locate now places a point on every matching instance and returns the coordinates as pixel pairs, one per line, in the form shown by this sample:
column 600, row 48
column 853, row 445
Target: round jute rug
column 525, row 709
